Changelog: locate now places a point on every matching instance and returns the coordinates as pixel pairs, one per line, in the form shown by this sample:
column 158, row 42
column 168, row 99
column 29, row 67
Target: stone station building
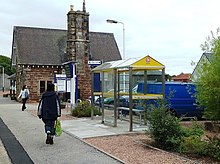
column 39, row 53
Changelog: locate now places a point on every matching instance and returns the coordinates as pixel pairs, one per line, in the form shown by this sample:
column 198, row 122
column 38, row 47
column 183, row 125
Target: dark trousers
column 49, row 126
column 23, row 103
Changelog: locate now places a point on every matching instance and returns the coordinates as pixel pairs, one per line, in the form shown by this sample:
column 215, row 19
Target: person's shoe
column 51, row 140
column 48, row 140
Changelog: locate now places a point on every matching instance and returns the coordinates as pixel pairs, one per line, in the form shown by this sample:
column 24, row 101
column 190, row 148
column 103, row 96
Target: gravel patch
column 132, row 149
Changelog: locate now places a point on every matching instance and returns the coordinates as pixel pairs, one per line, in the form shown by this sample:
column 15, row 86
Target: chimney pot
column 71, row 7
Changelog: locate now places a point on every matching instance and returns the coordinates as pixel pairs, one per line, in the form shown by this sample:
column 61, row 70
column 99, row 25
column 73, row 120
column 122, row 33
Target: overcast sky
column 170, row 31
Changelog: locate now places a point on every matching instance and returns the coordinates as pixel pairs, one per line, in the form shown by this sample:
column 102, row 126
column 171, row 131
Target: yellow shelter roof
column 144, row 63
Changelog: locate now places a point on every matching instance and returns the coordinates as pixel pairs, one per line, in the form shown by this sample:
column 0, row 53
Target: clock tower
column 78, row 48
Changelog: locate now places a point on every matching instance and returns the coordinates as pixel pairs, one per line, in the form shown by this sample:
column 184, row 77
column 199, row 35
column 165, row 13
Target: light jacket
column 22, row 93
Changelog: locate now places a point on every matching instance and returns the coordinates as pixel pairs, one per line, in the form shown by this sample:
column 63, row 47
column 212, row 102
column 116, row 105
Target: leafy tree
column 6, row 63
column 208, row 83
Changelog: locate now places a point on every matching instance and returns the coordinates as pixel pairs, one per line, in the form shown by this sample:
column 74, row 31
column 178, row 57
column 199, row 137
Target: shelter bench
column 123, row 111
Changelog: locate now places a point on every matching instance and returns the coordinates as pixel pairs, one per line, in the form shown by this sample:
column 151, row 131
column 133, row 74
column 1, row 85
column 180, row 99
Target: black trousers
column 23, row 103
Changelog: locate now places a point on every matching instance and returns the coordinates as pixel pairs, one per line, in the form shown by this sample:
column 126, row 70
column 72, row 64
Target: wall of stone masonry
column 31, row 77
column 84, row 80
column 78, row 49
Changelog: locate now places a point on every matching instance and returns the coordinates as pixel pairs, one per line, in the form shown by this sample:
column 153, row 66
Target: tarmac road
column 23, row 138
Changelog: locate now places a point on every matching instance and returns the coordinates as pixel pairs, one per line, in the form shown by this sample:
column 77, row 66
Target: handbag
column 58, row 129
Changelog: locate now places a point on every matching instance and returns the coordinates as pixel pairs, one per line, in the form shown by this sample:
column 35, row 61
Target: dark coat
column 49, row 106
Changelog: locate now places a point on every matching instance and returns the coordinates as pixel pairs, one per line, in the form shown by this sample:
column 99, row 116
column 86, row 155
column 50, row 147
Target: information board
column 69, row 70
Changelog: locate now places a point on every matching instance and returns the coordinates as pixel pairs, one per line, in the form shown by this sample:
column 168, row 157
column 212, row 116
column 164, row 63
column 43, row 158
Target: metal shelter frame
column 145, row 64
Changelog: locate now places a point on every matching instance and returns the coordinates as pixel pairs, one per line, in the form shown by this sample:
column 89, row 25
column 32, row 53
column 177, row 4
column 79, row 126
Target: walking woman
column 24, row 94
column 49, row 109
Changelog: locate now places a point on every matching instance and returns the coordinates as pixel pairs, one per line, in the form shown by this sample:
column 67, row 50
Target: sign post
column 71, row 73
column 60, row 82
column 73, row 87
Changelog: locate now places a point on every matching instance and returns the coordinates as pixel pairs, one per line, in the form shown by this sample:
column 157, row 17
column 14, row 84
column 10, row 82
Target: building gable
column 42, row 46
column 205, row 58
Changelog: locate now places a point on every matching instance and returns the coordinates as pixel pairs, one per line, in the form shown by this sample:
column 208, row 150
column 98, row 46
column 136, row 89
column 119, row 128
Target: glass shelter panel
column 121, row 80
column 108, row 94
column 108, row 82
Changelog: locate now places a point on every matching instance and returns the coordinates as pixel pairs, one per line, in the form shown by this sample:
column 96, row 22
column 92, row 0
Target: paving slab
column 29, row 132
column 85, row 128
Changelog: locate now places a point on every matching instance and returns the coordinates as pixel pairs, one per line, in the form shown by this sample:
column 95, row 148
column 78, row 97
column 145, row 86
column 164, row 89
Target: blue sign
column 69, row 70
column 94, row 63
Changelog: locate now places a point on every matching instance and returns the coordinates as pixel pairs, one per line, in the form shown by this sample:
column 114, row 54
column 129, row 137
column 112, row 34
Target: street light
column 3, row 78
column 114, row 21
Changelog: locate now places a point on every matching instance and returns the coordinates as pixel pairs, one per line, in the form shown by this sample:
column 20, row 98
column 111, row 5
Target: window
column 43, row 86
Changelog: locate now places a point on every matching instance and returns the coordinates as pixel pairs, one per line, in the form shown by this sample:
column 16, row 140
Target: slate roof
column 42, row 46
column 182, row 76
column 209, row 56
column 12, row 77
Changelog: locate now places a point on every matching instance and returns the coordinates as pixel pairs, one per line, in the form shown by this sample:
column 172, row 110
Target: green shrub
column 194, row 130
column 83, row 109
column 164, row 128
column 194, row 145
column 214, row 148
column 168, row 134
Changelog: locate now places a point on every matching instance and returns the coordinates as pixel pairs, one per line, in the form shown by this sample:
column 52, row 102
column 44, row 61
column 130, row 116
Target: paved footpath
column 23, row 137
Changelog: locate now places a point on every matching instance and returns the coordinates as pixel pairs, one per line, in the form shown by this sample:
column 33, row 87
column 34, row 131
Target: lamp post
column 114, row 21
column 3, row 78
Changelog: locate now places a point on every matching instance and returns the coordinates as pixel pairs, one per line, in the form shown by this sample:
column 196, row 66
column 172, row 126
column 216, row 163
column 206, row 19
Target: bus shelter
column 121, row 83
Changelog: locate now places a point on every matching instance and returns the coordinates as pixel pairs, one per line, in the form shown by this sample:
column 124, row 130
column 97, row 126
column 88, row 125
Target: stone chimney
column 78, row 48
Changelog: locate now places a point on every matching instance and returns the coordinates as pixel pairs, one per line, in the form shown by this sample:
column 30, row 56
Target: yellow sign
column 148, row 61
